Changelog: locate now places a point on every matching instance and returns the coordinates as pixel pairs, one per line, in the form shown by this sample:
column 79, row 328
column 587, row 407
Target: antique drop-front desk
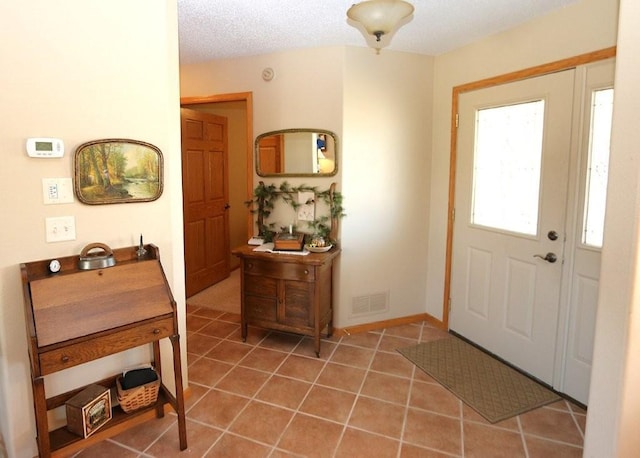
column 76, row 316
column 287, row 292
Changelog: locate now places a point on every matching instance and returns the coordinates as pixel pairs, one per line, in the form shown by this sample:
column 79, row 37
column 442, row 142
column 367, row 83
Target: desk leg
column 157, row 363
column 177, row 368
column 42, row 424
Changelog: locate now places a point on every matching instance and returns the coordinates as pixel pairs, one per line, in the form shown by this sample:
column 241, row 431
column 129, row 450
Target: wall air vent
column 370, row 304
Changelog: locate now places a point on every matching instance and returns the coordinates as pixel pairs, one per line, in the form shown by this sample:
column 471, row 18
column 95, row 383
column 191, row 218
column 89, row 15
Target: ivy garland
column 265, row 197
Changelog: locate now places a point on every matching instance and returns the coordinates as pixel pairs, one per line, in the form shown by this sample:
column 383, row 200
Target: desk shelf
column 62, row 439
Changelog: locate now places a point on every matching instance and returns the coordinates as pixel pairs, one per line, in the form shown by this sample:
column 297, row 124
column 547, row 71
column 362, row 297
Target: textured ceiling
column 220, row 29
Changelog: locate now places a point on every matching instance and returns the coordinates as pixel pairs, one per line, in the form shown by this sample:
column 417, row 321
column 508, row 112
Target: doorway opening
column 238, row 109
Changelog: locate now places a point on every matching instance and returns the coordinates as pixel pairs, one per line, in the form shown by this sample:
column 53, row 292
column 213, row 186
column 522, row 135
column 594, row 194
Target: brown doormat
column 493, row 389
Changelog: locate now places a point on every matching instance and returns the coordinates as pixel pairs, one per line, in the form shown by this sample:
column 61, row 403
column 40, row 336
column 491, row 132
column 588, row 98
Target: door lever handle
column 549, row 257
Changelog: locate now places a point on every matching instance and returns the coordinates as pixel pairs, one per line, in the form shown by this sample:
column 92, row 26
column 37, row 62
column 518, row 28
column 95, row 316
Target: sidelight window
column 598, row 167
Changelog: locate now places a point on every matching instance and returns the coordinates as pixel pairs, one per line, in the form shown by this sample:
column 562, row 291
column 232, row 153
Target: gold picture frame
column 114, row 171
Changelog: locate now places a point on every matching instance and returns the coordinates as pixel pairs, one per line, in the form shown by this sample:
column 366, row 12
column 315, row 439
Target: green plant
column 262, row 204
column 265, row 197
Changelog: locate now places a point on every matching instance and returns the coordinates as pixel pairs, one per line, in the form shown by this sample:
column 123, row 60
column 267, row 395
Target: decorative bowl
column 318, row 249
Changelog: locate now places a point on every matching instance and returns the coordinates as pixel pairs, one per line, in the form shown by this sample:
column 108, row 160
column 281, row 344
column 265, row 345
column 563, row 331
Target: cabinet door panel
column 260, row 308
column 298, row 300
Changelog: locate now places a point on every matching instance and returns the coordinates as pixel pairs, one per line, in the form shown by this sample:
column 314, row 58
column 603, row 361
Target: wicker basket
column 139, row 396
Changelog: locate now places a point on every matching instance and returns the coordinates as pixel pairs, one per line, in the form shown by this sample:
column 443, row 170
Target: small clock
column 54, row 266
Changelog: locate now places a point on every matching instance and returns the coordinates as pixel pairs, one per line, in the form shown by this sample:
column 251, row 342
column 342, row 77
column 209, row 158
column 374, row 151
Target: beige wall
column 614, row 400
column 382, row 117
column 85, row 71
column 385, row 179
column 305, row 92
column 584, row 26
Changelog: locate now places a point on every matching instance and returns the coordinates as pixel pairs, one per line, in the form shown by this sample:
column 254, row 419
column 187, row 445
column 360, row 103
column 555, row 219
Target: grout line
column 358, row 394
column 227, row 430
column 575, row 421
column 306, row 395
column 408, row 403
column 522, row 436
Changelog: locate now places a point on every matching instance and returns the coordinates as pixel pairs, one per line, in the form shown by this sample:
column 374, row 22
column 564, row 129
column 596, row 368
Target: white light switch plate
column 60, row 228
column 57, row 191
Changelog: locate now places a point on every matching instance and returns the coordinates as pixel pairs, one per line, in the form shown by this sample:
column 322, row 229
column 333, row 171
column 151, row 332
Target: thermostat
column 45, row 147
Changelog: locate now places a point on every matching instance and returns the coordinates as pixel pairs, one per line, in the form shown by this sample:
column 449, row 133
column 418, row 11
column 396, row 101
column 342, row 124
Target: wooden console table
column 76, row 316
column 287, row 292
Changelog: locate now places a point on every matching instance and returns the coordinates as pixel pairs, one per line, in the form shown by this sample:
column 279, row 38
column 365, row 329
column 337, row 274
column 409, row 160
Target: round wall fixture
column 268, row 74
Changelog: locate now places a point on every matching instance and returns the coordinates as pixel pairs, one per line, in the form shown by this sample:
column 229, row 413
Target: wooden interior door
column 271, row 154
column 205, row 189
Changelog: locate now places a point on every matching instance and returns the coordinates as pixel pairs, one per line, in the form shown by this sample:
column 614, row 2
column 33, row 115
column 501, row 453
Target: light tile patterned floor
column 271, row 397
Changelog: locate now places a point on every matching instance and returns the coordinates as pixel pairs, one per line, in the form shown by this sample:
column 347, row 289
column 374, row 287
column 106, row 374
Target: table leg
column 177, row 368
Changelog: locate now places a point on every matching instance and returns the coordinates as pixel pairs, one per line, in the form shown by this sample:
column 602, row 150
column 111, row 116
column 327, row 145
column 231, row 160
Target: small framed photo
column 114, row 171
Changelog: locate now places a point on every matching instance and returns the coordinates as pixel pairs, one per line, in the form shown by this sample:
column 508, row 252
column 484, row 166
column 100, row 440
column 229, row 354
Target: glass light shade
column 380, row 17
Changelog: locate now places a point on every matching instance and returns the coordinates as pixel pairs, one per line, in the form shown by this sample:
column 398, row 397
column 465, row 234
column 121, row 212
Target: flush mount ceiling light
column 379, row 17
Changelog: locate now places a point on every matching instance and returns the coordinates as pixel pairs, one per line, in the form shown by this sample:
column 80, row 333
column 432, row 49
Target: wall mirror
column 297, row 152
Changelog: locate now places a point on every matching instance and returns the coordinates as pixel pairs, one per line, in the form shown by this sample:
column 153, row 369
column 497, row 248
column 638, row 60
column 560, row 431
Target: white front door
column 585, row 234
column 514, row 143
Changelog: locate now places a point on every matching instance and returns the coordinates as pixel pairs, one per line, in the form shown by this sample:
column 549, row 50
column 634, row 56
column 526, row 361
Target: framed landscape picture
column 114, row 171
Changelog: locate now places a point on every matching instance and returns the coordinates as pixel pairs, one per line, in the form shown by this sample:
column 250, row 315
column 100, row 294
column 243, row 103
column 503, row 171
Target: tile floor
column 271, row 397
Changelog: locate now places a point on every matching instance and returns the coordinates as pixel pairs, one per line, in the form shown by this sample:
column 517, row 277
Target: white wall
column 614, row 401
column 82, row 71
column 581, row 27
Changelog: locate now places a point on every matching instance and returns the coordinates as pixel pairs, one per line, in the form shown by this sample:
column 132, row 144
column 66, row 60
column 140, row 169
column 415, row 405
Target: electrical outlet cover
column 306, row 211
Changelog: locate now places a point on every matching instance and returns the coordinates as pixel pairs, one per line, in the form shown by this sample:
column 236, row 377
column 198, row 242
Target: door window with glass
column 507, row 162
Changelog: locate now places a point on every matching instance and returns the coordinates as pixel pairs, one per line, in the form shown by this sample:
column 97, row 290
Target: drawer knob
column 64, row 359
column 156, row 331
column 306, row 271
column 249, row 266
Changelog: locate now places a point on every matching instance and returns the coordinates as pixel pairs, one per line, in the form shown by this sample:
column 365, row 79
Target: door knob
column 552, row 235
column 227, row 206
column 549, row 257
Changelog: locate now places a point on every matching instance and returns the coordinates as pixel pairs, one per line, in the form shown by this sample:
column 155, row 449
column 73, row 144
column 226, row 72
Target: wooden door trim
column 539, row 70
column 246, row 97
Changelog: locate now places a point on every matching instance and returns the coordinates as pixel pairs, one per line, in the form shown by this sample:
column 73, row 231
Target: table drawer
column 104, row 345
column 282, row 270
column 261, row 286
